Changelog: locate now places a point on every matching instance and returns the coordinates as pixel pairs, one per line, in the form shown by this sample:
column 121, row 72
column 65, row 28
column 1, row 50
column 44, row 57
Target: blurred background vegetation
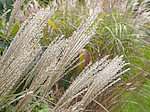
column 120, row 32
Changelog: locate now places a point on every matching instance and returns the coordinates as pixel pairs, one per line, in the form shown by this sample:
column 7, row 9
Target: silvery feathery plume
column 57, row 58
column 91, row 82
column 22, row 50
column 47, row 62
column 104, row 79
column 82, row 81
column 91, row 3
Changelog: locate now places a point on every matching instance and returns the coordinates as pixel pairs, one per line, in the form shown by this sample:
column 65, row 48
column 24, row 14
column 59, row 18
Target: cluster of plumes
column 22, row 51
column 58, row 58
column 91, row 82
column 54, row 63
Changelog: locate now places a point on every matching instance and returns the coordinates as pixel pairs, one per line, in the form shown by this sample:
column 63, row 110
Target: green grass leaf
column 52, row 24
column 15, row 30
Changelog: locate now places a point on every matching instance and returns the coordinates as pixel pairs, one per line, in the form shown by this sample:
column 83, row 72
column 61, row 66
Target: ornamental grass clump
column 88, row 44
